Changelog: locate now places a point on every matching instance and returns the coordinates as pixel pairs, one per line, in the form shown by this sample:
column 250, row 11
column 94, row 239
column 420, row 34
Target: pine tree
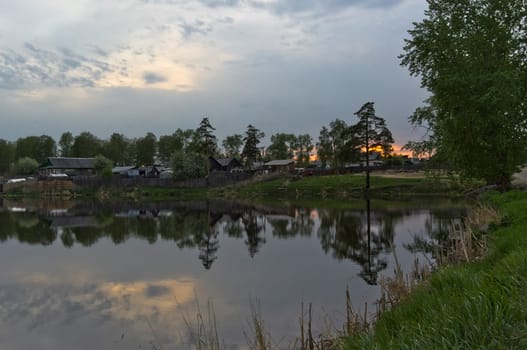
column 250, row 151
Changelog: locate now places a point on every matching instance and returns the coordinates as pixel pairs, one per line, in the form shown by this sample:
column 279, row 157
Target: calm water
column 126, row 276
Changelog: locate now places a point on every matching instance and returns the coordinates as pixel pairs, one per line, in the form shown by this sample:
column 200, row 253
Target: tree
column 205, row 141
column 117, row 149
column 325, row 147
column 146, row 149
column 338, row 144
column 232, row 145
column 250, row 151
column 38, row 148
column 165, row 148
column 86, row 145
column 66, row 144
column 372, row 133
column 304, row 147
column 7, row 156
column 472, row 57
column 282, row 146
column 189, row 165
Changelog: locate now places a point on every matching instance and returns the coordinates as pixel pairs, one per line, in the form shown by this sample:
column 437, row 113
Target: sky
column 138, row 66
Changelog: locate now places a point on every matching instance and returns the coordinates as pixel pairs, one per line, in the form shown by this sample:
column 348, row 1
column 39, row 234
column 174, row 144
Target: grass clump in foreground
column 479, row 305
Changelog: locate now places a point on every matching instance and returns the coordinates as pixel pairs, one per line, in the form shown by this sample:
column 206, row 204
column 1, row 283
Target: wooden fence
column 215, row 179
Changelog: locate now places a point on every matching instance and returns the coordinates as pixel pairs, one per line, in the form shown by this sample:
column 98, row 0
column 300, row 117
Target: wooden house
column 280, row 166
column 68, row 166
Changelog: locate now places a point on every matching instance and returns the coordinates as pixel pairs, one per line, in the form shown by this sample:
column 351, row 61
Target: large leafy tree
column 282, row 146
column 232, row 145
column 36, row 147
column 66, row 143
column 250, row 152
column 337, row 144
column 180, row 140
column 146, row 149
column 86, row 145
column 304, row 147
column 117, row 149
column 7, row 156
column 472, row 56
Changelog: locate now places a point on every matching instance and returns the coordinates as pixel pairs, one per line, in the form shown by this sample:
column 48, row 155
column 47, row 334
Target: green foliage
column 37, row 147
column 250, row 152
column 371, row 130
column 117, row 149
column 472, row 56
column 282, row 146
column 165, row 148
column 304, row 147
column 189, row 165
column 232, row 145
column 205, row 142
column 26, row 166
column 86, row 145
column 7, row 156
column 338, row 144
column 146, row 149
column 103, row 166
column 66, row 144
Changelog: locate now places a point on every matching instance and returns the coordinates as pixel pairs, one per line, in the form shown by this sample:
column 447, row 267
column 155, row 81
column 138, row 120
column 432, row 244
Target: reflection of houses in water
column 72, row 221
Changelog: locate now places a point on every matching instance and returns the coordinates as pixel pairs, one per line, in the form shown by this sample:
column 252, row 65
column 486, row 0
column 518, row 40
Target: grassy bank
column 319, row 188
column 315, row 187
column 481, row 305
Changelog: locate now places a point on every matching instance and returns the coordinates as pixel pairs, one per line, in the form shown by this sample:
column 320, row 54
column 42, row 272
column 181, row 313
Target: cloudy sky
column 134, row 66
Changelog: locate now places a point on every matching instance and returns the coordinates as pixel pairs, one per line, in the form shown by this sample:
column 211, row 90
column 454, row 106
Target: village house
column 68, row 166
column 280, row 166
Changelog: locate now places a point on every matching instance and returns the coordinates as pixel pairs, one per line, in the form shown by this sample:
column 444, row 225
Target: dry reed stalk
column 465, row 244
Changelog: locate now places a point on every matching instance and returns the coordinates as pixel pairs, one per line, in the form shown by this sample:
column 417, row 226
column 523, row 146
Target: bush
column 189, row 165
column 26, row 166
column 103, row 166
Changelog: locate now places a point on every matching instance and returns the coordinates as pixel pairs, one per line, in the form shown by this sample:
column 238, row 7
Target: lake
column 86, row 275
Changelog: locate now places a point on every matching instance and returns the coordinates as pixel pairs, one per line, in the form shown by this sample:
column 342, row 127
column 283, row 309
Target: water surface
column 128, row 276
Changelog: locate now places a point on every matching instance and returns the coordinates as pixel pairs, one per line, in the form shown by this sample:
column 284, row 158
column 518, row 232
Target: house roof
column 280, row 162
column 225, row 162
column 122, row 169
column 69, row 163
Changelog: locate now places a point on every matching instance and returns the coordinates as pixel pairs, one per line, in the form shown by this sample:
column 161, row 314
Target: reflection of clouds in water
column 135, row 308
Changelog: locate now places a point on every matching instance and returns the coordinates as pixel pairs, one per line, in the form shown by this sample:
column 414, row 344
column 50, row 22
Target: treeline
column 187, row 150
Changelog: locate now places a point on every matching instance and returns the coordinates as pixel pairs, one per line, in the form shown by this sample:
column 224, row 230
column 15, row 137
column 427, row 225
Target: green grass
column 344, row 186
column 480, row 305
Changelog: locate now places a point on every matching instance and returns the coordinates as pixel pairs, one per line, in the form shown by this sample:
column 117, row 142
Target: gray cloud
column 61, row 68
column 198, row 27
column 289, row 7
column 153, row 78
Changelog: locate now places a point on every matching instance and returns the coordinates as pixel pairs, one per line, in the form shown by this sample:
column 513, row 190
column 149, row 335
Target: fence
column 215, row 179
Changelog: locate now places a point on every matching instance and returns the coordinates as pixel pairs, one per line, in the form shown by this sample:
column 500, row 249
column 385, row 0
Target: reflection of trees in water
column 434, row 241
column 360, row 236
column 342, row 233
column 252, row 224
column 285, row 226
